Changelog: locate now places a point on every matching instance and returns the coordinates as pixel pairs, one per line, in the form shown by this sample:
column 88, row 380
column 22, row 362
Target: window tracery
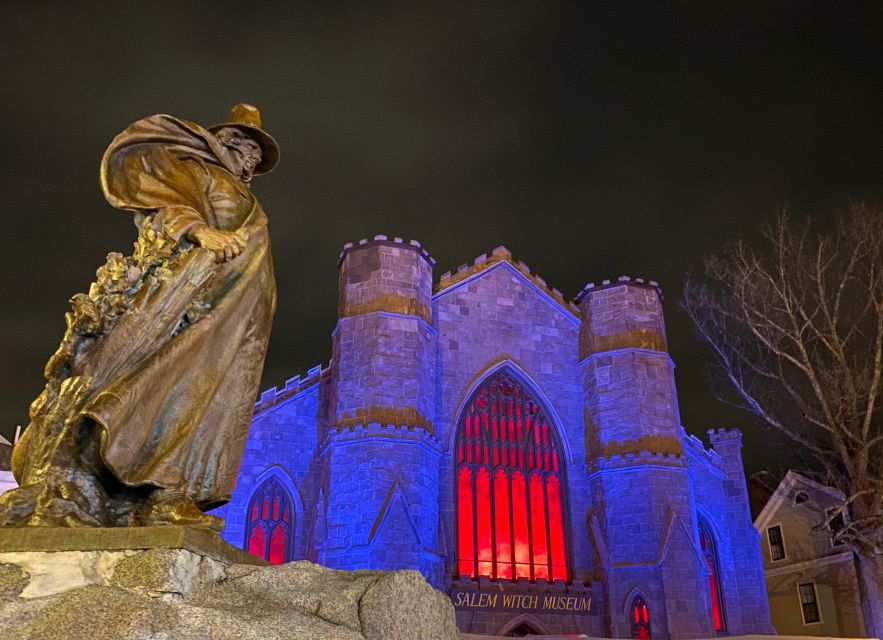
column 510, row 490
column 270, row 523
column 709, row 552
column 640, row 619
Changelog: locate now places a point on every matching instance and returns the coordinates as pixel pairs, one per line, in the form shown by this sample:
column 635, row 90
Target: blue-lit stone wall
column 381, row 455
column 641, row 490
column 501, row 320
column 728, row 499
column 498, row 318
column 283, row 440
column 365, row 444
column 383, row 500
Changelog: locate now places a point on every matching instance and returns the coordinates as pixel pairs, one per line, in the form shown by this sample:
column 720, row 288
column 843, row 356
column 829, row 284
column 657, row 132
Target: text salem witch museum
column 522, row 602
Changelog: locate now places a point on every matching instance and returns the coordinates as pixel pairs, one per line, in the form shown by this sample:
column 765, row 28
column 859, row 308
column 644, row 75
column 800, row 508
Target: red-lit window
column 511, row 499
column 709, row 550
column 270, row 523
column 639, row 616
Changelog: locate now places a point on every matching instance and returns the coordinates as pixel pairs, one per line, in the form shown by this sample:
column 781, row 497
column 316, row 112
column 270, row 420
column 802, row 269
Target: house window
column 801, row 497
column 777, row 543
column 640, row 618
column 808, row 603
column 837, row 524
column 709, row 551
column 270, row 523
column 511, row 496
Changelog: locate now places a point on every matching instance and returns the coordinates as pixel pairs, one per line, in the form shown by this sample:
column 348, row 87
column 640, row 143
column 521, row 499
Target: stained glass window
column 709, row 551
column 640, row 618
column 511, row 496
column 270, row 523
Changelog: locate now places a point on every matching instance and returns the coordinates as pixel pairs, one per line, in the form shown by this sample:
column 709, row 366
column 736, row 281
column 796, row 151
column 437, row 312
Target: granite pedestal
column 179, row 582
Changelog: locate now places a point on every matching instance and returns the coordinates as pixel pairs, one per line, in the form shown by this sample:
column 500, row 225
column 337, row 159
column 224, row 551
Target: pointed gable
column 499, row 258
column 393, row 524
column 783, row 496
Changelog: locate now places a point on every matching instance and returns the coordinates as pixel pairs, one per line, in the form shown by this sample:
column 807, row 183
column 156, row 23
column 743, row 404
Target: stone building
column 523, row 451
column 810, row 579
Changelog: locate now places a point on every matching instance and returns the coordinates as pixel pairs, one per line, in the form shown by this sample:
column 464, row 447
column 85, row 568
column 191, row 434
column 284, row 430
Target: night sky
column 593, row 139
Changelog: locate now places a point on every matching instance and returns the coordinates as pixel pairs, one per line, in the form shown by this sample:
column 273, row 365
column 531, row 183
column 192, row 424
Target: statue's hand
column 55, row 365
column 226, row 245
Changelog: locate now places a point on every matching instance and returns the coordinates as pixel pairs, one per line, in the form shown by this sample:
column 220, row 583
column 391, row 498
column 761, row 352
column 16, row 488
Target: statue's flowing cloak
column 174, row 410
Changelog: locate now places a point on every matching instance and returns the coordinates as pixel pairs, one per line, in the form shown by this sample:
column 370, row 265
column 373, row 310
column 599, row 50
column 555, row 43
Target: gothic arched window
column 639, row 615
column 709, row 551
column 511, row 499
column 268, row 532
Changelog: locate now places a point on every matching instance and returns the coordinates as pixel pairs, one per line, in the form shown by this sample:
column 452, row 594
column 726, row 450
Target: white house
column 811, row 581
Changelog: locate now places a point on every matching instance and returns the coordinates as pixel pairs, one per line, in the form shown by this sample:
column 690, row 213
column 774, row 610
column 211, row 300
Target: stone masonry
column 643, row 504
column 381, row 453
column 366, row 446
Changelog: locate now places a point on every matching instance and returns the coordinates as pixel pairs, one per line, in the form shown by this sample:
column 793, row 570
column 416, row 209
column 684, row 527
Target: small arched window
column 709, row 552
column 270, row 523
column 801, row 497
column 639, row 615
column 511, row 498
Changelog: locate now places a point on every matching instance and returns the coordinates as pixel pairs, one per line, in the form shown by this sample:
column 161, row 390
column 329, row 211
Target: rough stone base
column 200, row 541
column 174, row 593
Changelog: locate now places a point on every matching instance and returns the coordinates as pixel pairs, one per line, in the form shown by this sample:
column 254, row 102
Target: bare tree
column 796, row 329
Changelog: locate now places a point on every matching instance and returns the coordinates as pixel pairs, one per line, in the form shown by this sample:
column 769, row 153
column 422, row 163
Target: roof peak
column 496, row 256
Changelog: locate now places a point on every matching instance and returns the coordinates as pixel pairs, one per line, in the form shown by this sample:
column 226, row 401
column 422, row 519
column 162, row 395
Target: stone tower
column 751, row 615
column 642, row 518
column 381, row 455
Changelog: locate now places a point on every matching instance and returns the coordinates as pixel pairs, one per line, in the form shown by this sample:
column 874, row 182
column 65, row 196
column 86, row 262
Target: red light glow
column 510, row 497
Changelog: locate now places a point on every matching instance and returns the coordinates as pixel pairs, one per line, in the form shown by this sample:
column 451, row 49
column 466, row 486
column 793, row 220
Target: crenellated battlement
column 501, row 254
column 381, row 239
column 725, row 435
column 696, row 446
column 623, row 314
column 385, row 275
column 640, row 458
column 728, row 445
column 591, row 287
column 292, row 386
column 379, row 430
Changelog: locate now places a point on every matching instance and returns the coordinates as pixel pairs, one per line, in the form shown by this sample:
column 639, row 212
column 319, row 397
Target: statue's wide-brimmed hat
column 247, row 118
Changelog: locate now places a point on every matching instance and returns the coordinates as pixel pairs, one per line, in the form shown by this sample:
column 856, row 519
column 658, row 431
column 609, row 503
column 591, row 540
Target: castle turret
column 750, row 615
column 381, row 454
column 643, row 513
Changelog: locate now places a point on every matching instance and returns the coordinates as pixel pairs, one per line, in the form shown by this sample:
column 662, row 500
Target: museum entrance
column 523, row 630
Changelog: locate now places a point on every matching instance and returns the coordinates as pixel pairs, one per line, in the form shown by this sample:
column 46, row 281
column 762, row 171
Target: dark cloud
column 594, row 142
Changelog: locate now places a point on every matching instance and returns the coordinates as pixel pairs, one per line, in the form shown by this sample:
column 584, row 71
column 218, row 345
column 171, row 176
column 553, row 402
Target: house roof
column 782, row 495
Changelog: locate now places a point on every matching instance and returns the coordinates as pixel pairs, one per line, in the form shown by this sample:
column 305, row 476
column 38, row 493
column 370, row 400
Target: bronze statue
column 149, row 396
